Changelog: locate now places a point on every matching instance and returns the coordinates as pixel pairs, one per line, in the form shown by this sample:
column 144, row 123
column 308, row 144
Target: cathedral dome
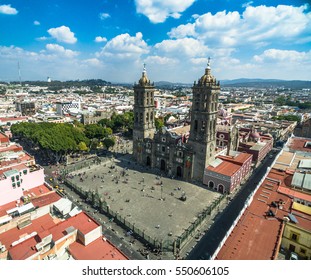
column 144, row 79
column 207, row 77
column 254, row 135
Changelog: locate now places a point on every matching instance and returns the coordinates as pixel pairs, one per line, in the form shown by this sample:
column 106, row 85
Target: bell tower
column 144, row 126
column 204, row 111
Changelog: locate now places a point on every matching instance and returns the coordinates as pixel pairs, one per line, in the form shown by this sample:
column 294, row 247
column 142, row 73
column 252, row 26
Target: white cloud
column 36, row 22
column 60, row 50
column 125, row 46
column 104, row 16
column 183, row 48
column 183, row 31
column 93, row 62
column 100, row 39
column 63, row 34
column 247, row 4
column 287, row 56
column 158, row 11
column 7, row 10
column 160, row 60
column 256, row 26
column 43, row 38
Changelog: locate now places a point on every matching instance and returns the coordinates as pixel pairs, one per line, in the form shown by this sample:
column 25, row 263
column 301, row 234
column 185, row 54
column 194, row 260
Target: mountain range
column 243, row 82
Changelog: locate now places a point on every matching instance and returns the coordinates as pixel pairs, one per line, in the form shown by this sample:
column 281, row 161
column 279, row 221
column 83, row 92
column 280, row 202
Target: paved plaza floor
column 145, row 198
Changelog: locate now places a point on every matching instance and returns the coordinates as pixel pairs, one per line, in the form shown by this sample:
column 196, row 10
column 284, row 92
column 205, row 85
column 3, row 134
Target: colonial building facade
column 167, row 150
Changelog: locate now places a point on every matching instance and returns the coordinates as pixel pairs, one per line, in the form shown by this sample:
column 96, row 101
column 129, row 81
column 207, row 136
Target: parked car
column 293, row 256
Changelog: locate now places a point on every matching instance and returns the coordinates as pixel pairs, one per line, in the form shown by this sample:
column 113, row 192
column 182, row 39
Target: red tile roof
column 256, row 236
column 298, row 144
column 38, row 191
column 97, row 250
column 225, row 168
column 230, row 164
column 38, row 225
column 46, row 199
column 8, row 119
column 81, row 221
column 24, row 250
column 294, row 193
column 14, row 148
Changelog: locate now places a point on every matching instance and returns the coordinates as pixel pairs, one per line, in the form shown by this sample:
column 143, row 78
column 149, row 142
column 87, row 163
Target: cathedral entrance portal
column 148, row 161
column 163, row 165
column 179, row 171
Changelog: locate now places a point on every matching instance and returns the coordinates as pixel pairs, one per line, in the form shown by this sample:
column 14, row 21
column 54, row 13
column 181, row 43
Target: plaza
column 159, row 207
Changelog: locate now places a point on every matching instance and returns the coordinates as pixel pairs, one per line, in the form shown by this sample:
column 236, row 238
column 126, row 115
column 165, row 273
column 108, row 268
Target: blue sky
column 111, row 39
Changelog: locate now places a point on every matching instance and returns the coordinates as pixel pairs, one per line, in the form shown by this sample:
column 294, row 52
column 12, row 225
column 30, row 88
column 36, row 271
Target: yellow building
column 297, row 231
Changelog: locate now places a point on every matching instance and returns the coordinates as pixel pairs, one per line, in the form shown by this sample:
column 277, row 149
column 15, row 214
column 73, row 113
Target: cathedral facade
column 169, row 150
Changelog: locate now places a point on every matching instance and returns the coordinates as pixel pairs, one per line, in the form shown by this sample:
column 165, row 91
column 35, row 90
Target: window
column 294, row 237
column 302, row 251
column 163, row 149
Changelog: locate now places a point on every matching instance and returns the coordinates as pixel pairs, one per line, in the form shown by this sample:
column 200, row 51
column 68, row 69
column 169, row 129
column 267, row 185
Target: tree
column 109, row 142
column 82, row 147
column 56, row 140
column 159, row 123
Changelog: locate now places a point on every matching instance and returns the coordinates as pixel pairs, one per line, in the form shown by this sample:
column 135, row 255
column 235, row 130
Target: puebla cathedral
column 167, row 150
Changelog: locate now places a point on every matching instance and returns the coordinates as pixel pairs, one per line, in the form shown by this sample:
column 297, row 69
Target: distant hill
column 295, row 84
column 256, row 83
column 169, row 85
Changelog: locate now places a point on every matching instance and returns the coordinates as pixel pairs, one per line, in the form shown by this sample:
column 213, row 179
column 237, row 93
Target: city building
column 37, row 222
column 63, row 108
column 165, row 149
column 227, row 172
column 27, row 108
column 257, row 144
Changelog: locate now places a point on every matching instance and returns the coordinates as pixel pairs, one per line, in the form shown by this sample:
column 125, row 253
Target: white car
column 293, row 256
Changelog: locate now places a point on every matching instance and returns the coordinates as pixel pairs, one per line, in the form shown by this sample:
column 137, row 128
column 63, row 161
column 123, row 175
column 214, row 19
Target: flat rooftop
column 300, row 144
column 136, row 197
column 255, row 237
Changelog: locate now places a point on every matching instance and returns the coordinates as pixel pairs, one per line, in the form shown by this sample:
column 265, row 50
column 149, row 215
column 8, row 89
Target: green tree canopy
column 109, row 142
column 56, row 139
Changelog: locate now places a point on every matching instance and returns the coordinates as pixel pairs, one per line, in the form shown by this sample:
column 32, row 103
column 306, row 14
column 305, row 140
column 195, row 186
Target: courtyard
column 162, row 208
